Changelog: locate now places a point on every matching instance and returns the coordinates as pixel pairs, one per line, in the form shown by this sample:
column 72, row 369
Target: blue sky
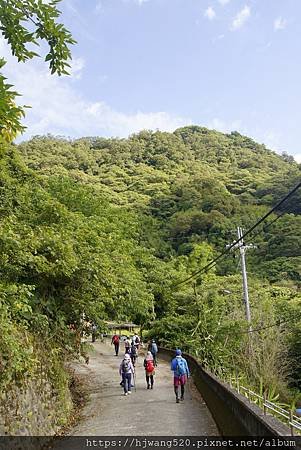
column 224, row 64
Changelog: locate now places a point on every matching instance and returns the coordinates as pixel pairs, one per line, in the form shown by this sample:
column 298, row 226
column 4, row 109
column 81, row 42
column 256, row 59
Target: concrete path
column 144, row 412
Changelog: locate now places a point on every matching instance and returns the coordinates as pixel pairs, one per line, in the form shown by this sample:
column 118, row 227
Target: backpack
column 180, row 368
column 115, row 339
column 133, row 351
column 137, row 340
column 126, row 365
column 149, row 365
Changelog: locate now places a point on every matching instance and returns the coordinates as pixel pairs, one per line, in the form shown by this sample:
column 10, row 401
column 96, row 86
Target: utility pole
column 242, row 249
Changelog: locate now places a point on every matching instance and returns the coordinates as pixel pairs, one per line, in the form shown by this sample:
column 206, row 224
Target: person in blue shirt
column 181, row 372
column 153, row 348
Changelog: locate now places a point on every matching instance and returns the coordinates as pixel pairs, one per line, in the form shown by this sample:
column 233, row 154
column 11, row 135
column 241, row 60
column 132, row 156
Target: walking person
column 136, row 341
column 149, row 366
column 126, row 370
column 181, row 372
column 94, row 331
column 127, row 345
column 115, row 341
column 133, row 353
column 153, row 348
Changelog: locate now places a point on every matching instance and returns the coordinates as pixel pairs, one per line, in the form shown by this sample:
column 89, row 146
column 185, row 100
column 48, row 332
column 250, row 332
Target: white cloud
column 139, row 2
column 218, row 38
column 77, row 65
column 276, row 141
column 210, row 13
column 80, row 23
column 223, row 2
column 225, row 127
column 272, row 139
column 71, row 7
column 266, row 46
column 123, row 124
column 279, row 24
column 241, row 17
column 58, row 108
column 99, row 7
column 102, row 78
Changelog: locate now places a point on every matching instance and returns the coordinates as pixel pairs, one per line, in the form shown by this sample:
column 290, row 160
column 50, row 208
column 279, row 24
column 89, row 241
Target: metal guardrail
column 292, row 420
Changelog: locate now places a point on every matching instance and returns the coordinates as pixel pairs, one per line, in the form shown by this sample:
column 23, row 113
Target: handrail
column 251, row 392
column 298, row 426
column 277, row 412
column 284, row 411
column 279, row 407
column 292, row 420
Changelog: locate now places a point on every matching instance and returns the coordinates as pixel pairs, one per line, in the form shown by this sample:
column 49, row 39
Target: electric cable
column 214, row 261
column 266, row 226
column 278, row 323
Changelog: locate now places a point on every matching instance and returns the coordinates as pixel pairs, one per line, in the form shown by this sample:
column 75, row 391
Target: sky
column 229, row 65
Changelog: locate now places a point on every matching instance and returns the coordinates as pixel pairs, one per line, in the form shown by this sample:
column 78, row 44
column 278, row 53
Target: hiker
column 126, row 370
column 152, row 347
column 93, row 330
column 133, row 353
column 181, row 372
column 136, row 341
column 127, row 345
column 149, row 366
column 115, row 341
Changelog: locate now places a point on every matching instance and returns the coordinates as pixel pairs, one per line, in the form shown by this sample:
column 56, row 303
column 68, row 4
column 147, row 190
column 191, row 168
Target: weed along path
column 145, row 412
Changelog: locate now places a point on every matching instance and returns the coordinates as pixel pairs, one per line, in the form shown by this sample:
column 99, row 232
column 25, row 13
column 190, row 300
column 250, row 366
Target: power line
column 214, row 261
column 278, row 323
column 195, row 235
column 265, row 227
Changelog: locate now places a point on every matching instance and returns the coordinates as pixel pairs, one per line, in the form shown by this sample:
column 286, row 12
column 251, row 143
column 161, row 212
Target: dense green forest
column 110, row 227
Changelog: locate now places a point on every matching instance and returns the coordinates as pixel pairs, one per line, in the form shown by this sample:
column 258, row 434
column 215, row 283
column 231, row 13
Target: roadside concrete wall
column 32, row 409
column 232, row 412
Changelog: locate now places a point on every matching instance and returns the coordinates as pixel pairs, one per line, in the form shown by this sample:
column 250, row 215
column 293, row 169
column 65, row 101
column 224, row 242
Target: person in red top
column 115, row 341
column 149, row 366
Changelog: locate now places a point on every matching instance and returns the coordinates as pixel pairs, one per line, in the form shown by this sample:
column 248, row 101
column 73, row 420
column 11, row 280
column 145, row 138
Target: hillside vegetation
column 109, row 227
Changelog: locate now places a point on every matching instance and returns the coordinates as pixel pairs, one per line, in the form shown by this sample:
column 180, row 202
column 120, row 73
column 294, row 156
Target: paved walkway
column 145, row 412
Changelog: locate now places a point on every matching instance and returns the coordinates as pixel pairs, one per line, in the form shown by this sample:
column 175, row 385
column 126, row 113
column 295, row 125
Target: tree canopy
column 24, row 24
column 109, row 227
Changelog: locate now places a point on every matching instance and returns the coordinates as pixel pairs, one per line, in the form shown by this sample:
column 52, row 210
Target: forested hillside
column 110, row 227
column 195, row 184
